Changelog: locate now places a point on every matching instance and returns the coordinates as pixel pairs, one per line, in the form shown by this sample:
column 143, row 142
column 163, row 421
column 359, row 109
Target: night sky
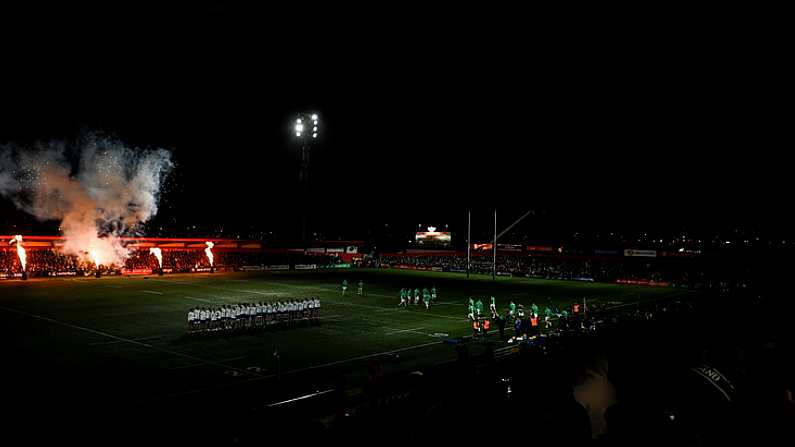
column 620, row 129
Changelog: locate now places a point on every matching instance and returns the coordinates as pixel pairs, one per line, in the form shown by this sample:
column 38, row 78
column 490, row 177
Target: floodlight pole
column 304, row 177
column 302, row 126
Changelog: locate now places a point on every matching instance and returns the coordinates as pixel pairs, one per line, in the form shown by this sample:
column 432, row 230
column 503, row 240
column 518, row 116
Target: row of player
column 249, row 316
column 475, row 310
column 428, row 296
column 526, row 324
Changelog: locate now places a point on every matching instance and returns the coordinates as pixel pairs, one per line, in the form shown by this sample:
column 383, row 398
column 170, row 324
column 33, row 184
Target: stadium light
column 301, row 128
column 302, row 135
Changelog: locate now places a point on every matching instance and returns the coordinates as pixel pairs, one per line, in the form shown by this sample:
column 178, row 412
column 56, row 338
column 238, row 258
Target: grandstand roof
column 186, row 243
column 143, row 242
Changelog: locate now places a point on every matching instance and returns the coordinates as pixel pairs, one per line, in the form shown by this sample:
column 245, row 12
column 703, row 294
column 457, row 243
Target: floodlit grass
column 117, row 324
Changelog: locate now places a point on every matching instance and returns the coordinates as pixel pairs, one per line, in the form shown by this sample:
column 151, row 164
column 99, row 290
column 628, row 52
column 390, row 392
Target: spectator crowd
column 645, row 271
column 49, row 262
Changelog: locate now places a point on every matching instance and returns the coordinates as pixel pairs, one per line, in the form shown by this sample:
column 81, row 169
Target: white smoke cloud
column 99, row 188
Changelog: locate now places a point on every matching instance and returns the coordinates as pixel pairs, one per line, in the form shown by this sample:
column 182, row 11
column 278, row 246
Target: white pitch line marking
column 418, row 331
column 115, row 337
column 193, row 365
column 225, row 289
column 391, row 309
column 154, row 337
column 151, row 292
column 309, row 368
column 400, row 331
column 199, row 299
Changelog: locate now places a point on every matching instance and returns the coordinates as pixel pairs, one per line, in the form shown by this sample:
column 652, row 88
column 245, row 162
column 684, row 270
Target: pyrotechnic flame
column 94, row 256
column 156, row 251
column 209, row 252
column 23, row 257
column 99, row 189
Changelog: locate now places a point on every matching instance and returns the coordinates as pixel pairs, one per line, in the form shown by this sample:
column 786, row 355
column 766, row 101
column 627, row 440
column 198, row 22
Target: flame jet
column 209, row 252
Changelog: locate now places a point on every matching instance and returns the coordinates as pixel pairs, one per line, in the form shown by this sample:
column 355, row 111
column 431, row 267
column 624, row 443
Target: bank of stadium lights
column 299, row 126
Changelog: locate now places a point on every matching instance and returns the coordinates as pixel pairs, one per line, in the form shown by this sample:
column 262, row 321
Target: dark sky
column 602, row 126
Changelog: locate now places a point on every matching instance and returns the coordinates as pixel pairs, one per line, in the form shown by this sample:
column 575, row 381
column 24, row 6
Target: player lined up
column 254, row 316
column 428, row 297
column 475, row 310
column 526, row 322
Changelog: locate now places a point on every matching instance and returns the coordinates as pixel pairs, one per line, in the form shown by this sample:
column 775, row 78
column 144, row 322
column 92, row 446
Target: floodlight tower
column 305, row 138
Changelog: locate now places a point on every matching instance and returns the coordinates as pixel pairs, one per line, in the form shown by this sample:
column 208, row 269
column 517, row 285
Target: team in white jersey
column 253, row 316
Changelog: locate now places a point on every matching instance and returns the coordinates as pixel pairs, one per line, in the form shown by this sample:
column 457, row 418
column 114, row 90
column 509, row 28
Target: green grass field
column 115, row 325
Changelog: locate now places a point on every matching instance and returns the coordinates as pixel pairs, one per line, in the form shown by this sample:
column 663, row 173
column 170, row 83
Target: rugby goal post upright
column 498, row 236
column 493, row 241
column 469, row 236
column 494, row 247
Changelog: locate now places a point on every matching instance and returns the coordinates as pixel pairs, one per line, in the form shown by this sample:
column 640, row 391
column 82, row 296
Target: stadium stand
column 179, row 256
